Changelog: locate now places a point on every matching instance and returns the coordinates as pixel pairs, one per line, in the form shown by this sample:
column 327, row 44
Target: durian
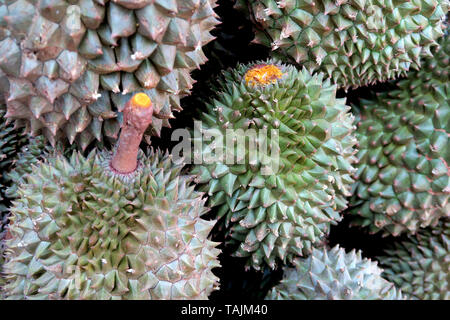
column 86, row 228
column 354, row 42
column 30, row 154
column 403, row 179
column 280, row 203
column 34, row 151
column 10, row 140
column 420, row 266
column 333, row 274
column 49, row 84
column 72, row 65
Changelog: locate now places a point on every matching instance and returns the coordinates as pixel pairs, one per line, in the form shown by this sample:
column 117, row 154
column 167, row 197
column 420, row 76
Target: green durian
column 30, row 154
column 34, row 151
column 420, row 266
column 275, row 216
column 108, row 236
column 333, row 274
column 403, row 180
column 82, row 228
column 11, row 139
column 19, row 165
column 356, row 43
column 70, row 64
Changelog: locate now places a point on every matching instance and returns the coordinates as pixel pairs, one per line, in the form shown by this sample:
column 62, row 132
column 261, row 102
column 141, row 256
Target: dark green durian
column 10, row 141
column 30, row 154
column 354, row 42
column 275, row 216
column 420, row 266
column 403, row 180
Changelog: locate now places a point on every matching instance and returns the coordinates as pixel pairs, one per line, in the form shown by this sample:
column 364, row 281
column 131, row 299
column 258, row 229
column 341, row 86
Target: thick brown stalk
column 137, row 116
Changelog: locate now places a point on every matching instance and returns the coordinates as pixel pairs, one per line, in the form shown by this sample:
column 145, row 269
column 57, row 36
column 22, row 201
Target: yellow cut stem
column 263, row 74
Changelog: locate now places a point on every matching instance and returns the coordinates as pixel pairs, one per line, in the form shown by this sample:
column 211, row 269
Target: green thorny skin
column 72, row 65
column 355, row 42
column 420, row 266
column 80, row 247
column 81, row 231
column 403, row 178
column 36, row 150
column 333, row 274
column 281, row 215
column 10, row 141
column 31, row 153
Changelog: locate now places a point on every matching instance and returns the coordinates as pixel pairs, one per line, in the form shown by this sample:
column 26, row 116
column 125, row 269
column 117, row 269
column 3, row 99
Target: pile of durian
column 351, row 98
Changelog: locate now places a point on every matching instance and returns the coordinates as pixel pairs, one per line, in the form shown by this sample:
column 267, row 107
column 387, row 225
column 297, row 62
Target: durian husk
column 355, row 43
column 403, row 179
column 11, row 139
column 72, row 65
column 274, row 217
column 81, row 231
column 333, row 274
column 420, row 266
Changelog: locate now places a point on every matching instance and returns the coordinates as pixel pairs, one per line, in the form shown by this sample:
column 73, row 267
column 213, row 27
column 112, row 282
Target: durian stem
column 137, row 116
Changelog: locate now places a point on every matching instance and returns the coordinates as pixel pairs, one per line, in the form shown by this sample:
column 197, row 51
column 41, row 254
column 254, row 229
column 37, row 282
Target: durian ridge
column 263, row 74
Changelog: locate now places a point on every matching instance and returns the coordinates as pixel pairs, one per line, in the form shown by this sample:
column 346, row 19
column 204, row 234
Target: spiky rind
column 10, row 141
column 48, row 80
column 81, row 231
column 403, row 177
column 420, row 266
column 30, row 154
column 71, row 65
column 274, row 216
column 34, row 151
column 356, row 43
column 333, row 274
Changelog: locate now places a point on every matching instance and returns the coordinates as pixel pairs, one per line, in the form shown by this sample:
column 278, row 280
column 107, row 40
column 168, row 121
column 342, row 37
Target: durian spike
column 137, row 116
